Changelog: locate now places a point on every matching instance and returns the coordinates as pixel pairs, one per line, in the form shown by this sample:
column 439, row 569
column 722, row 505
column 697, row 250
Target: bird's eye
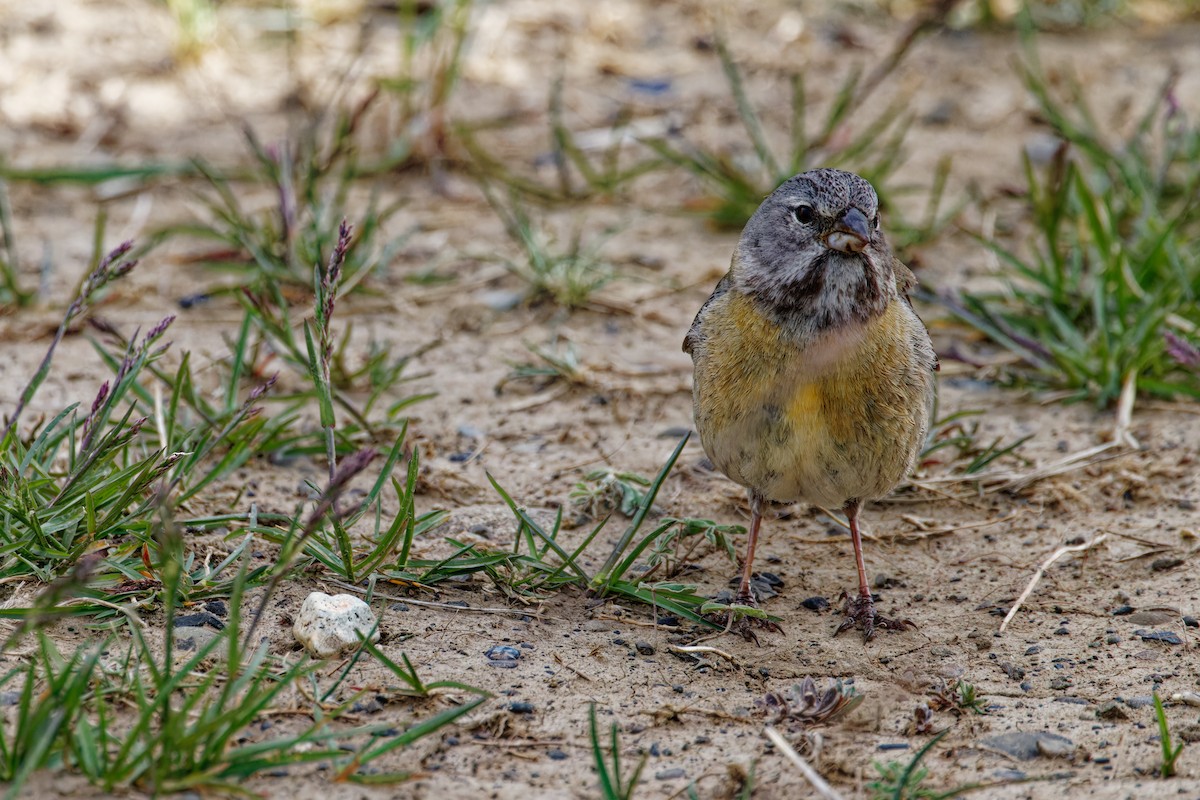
column 804, row 215
column 875, row 222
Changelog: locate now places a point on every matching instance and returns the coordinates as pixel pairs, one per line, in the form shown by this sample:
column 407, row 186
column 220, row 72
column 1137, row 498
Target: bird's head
column 813, row 253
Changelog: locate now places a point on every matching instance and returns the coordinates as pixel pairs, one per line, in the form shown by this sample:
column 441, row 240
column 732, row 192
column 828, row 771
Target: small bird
column 813, row 374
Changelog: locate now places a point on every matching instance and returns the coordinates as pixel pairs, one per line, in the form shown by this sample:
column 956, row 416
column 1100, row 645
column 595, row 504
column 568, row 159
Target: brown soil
column 91, row 80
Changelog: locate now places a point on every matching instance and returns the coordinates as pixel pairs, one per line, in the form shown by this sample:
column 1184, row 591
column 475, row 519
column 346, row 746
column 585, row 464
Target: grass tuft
column 1104, row 289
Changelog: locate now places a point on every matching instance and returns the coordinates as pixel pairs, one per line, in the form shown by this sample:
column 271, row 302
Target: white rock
column 330, row 624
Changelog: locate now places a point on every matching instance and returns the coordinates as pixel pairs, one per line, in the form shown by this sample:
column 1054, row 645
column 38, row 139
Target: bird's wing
column 906, row 283
column 694, row 334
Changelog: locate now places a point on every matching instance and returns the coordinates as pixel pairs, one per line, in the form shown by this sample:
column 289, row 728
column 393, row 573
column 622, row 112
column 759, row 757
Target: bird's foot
column 745, row 618
column 860, row 613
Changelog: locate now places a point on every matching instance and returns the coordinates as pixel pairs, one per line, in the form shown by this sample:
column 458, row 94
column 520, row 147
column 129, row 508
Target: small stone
column 1166, row 637
column 1058, row 684
column 1009, row 775
column 502, row 656
column 1063, row 631
column 671, row 774
column 520, row 707
column 645, row 648
column 1141, row 701
column 668, row 622
column 331, row 624
column 1026, row 746
column 372, row 706
column 1157, row 617
column 500, row 300
column 217, row 607
column 1188, row 698
column 815, row 604
column 1013, row 671
column 9, row 698
column 1034, row 650
column 1191, row 622
column 199, row 620
column 1112, row 638
column 1164, row 564
column 399, row 607
column 1121, row 611
column 556, row 755
column 1052, row 746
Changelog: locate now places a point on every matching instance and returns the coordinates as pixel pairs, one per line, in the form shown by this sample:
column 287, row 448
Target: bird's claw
column 860, row 613
column 746, row 625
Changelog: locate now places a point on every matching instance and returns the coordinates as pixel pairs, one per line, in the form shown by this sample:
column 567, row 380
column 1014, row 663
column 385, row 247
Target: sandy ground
column 84, row 81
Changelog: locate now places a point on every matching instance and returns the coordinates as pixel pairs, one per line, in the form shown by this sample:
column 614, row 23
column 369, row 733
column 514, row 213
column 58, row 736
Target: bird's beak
column 851, row 234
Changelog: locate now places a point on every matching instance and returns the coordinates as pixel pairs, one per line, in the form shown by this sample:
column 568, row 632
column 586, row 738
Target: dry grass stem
column 824, row 790
column 1041, row 570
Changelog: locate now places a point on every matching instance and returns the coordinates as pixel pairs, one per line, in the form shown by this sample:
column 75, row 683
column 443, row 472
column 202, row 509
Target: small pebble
column 199, row 620
column 1111, row 711
column 557, row 755
column 1033, row 651
column 1112, row 638
column 1063, row 631
column 815, row 604
column 9, row 698
column 398, row 607
column 1007, row 775
column 1053, row 746
column 669, row 622
column 885, row 581
column 889, row 746
column 671, row 774
column 1140, row 702
column 521, row 707
column 217, row 607
column 1191, row 622
column 1166, row 637
column 459, row 604
column 1026, row 746
column 1121, row 611
column 645, row 648
column 503, row 656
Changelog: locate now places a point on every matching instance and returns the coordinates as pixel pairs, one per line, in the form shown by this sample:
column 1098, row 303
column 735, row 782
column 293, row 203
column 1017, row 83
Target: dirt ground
column 88, row 81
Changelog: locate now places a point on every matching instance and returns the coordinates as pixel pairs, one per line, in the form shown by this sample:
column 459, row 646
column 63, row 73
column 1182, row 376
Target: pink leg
column 745, row 593
column 860, row 611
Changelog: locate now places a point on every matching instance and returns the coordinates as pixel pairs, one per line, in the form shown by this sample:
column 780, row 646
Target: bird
column 813, row 375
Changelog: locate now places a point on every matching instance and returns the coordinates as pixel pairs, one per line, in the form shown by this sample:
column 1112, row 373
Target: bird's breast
column 823, row 421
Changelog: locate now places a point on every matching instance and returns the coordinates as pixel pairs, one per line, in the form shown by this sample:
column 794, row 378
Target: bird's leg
column 860, row 610
column 745, row 625
column 745, row 595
